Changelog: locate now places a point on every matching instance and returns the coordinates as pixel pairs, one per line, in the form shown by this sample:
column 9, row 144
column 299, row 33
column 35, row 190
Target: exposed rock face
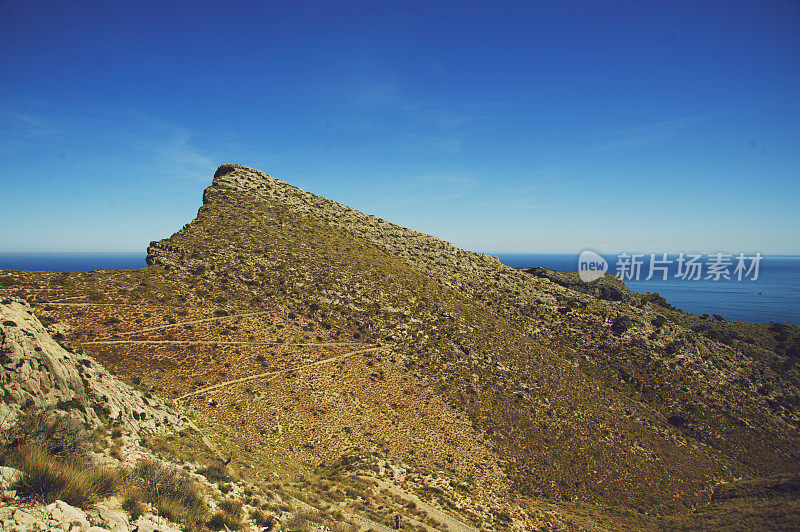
column 38, row 372
column 428, row 254
column 61, row 516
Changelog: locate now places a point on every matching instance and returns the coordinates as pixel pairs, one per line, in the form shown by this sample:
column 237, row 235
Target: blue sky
column 499, row 126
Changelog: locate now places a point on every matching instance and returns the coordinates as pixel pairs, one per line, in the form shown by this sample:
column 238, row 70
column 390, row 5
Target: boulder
column 24, row 518
column 8, row 475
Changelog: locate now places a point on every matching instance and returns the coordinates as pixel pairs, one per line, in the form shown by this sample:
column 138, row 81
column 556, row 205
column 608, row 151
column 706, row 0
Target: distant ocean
column 71, row 262
column 774, row 296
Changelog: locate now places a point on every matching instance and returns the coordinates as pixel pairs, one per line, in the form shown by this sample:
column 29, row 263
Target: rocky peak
column 427, row 254
column 240, row 176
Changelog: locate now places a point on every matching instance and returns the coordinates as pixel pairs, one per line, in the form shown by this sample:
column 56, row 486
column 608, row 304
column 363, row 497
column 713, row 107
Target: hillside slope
column 316, row 344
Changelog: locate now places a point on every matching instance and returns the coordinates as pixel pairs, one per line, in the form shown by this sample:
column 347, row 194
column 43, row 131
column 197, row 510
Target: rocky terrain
column 40, row 373
column 356, row 373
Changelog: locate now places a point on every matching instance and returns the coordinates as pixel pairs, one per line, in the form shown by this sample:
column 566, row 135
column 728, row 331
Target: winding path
column 273, row 373
column 211, row 342
column 191, row 322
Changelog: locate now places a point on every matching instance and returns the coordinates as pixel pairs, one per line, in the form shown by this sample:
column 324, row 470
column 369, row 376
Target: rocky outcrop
column 428, row 254
column 38, row 372
column 61, row 516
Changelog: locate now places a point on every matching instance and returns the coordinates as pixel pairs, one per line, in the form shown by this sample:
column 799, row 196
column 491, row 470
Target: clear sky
column 499, row 126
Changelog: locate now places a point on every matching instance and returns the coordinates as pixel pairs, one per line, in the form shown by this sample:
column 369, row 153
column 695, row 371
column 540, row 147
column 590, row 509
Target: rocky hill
column 381, row 373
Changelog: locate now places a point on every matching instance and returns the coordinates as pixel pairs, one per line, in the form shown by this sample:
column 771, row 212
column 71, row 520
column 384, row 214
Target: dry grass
column 308, row 520
column 171, row 490
column 50, row 448
column 47, row 478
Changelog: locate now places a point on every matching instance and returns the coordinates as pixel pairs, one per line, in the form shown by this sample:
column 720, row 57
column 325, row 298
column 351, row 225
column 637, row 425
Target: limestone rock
column 8, row 475
column 24, row 518
column 38, row 371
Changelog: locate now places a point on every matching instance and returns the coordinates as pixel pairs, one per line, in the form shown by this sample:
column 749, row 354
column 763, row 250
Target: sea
column 773, row 296
column 71, row 262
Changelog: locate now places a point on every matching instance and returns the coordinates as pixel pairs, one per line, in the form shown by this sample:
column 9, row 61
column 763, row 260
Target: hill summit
column 323, row 350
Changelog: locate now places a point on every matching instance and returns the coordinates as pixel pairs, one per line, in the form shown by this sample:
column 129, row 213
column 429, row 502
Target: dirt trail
column 273, row 373
column 57, row 304
column 191, row 322
column 363, row 523
column 211, row 342
column 450, row 522
column 208, row 443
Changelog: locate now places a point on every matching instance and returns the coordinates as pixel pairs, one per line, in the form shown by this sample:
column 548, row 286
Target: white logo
column 591, row 266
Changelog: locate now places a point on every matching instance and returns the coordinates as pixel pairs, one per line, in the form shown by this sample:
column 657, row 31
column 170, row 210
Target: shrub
column 104, row 482
column 220, row 521
column 676, row 420
column 621, row 324
column 59, row 434
column 133, row 506
column 659, row 321
column 159, row 480
column 307, row 519
column 171, row 489
column 694, row 409
column 725, row 337
column 658, row 299
column 261, row 519
column 231, row 507
column 46, row 478
column 178, row 511
column 610, row 293
column 214, row 474
column 95, row 295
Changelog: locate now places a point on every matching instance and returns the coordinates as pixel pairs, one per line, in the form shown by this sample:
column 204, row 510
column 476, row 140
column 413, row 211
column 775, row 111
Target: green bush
column 659, row 321
column 719, row 335
column 133, row 506
column 58, row 433
column 231, row 507
column 214, row 474
column 159, row 480
column 261, row 519
column 621, row 324
column 657, row 299
column 219, row 521
column 171, row 489
column 610, row 293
